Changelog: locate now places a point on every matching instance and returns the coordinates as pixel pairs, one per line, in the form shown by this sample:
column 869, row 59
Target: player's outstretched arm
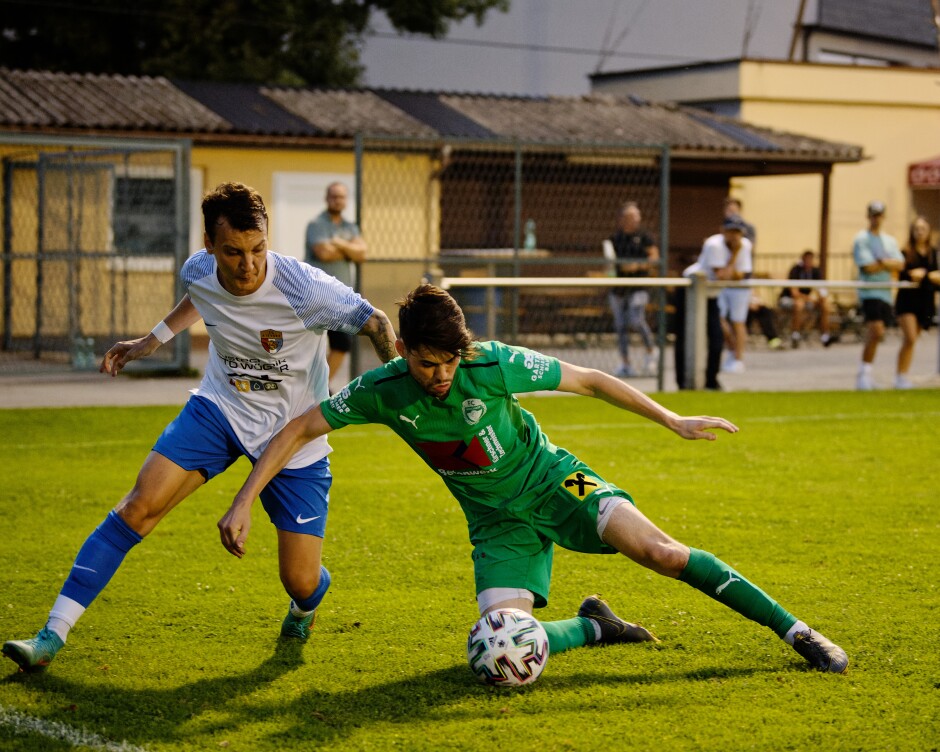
column 380, row 332
column 590, row 382
column 183, row 316
column 235, row 524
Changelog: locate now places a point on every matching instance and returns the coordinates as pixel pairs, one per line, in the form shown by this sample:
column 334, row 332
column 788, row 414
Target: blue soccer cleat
column 34, row 654
column 298, row 627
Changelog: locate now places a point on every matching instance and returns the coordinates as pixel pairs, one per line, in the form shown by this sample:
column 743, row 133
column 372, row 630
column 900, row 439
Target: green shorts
column 513, row 548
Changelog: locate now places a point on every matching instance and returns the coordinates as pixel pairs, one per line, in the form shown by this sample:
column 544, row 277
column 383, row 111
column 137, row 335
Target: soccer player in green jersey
column 451, row 400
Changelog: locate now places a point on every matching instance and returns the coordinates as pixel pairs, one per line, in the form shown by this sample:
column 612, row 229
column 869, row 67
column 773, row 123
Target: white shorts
column 733, row 303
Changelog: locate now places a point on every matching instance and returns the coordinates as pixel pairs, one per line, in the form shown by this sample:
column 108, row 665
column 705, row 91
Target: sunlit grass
column 827, row 501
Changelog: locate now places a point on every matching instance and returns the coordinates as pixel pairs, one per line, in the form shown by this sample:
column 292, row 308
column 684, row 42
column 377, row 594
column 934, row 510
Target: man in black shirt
column 635, row 254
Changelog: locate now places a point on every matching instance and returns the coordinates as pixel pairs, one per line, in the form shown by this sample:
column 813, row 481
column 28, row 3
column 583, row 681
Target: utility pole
column 936, row 20
column 798, row 29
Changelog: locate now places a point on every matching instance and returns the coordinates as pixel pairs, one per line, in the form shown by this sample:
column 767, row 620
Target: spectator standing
column 878, row 259
column 734, row 303
column 634, row 253
column 801, row 300
column 735, row 208
column 336, row 246
column 915, row 307
column 724, row 256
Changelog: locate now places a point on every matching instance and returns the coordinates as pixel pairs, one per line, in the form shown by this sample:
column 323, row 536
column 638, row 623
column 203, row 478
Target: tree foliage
column 293, row 42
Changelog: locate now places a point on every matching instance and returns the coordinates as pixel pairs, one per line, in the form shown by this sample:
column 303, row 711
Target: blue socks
column 311, row 602
column 99, row 558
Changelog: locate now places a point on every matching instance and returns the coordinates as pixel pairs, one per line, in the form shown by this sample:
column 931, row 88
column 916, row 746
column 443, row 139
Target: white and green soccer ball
column 507, row 648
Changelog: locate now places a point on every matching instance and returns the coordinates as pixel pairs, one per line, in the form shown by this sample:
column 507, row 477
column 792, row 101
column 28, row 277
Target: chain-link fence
column 94, row 233
column 462, row 208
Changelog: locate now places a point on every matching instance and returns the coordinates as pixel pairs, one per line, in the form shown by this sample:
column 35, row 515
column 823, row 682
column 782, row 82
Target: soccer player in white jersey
column 266, row 316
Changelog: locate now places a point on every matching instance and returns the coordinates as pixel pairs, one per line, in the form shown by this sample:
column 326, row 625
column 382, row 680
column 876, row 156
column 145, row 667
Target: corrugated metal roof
column 589, row 119
column 66, row 100
column 345, row 112
column 58, row 101
column 742, row 135
column 431, row 110
column 246, row 108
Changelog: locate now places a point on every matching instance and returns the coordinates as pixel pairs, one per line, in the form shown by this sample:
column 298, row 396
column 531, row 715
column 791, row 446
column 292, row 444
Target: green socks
column 703, row 572
column 569, row 633
column 719, row 581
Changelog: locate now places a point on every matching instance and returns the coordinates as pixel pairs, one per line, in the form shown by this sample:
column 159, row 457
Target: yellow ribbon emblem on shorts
column 581, row 485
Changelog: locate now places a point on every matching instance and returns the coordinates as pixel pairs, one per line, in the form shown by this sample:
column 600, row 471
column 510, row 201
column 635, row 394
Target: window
column 143, row 219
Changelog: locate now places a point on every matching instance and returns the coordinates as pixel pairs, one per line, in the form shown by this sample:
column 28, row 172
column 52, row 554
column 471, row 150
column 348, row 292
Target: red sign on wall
column 924, row 174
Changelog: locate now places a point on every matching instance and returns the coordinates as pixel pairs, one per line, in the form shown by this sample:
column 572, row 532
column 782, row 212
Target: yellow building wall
column 77, row 287
column 256, row 167
column 400, row 204
column 894, row 114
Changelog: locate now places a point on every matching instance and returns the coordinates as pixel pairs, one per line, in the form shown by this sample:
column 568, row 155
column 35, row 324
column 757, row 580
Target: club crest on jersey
column 473, row 410
column 272, row 340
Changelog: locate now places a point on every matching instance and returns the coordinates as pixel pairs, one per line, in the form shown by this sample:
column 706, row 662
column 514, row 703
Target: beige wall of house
column 893, row 113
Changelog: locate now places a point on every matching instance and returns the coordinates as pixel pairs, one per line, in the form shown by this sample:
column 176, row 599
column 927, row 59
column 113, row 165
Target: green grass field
column 828, row 501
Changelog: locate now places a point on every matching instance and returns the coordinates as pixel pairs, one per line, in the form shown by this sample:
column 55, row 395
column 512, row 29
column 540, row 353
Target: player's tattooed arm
column 380, row 332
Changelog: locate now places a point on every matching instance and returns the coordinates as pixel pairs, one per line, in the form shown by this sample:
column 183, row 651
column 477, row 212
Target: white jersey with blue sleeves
column 267, row 350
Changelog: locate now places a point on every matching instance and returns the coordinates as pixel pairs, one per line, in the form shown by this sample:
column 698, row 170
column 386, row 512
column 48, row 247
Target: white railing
column 697, row 293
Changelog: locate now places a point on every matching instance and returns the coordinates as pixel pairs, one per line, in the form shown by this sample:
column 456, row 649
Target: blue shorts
column 201, row 439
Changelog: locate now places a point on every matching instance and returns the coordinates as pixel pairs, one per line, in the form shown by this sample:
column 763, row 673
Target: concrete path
column 809, row 368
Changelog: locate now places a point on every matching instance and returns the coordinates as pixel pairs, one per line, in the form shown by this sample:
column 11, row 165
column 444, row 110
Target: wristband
column 163, row 333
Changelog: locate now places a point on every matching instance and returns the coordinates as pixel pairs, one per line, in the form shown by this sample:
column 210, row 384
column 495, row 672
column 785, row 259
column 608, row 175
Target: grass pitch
column 828, row 501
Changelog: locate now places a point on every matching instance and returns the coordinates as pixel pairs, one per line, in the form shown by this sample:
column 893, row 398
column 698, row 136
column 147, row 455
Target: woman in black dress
column 915, row 307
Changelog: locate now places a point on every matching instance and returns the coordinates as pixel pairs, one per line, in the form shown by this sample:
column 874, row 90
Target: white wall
column 298, row 198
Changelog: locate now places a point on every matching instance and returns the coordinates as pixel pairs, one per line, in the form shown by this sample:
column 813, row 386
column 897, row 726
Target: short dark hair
column 429, row 317
column 239, row 204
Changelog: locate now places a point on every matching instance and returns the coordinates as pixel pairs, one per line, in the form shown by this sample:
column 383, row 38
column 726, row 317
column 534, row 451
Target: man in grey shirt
column 336, row 246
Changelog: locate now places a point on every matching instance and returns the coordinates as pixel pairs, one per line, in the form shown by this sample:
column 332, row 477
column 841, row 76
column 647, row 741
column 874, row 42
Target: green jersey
column 489, row 451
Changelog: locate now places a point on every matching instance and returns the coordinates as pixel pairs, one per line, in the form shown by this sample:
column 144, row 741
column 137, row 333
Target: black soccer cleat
column 822, row 653
column 613, row 629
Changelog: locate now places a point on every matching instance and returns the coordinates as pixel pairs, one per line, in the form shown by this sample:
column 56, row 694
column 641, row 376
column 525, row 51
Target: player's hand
column 234, row 527
column 701, row 427
column 124, row 352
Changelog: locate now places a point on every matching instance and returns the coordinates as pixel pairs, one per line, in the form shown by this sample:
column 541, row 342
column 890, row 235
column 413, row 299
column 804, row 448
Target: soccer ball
column 507, row 648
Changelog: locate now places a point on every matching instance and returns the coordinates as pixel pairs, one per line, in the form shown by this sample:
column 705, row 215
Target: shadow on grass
column 200, row 712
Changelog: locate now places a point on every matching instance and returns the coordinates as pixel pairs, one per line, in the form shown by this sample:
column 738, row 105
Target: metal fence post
column 355, row 356
column 696, row 347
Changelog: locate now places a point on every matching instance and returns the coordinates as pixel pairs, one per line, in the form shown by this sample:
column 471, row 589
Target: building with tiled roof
column 431, row 172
